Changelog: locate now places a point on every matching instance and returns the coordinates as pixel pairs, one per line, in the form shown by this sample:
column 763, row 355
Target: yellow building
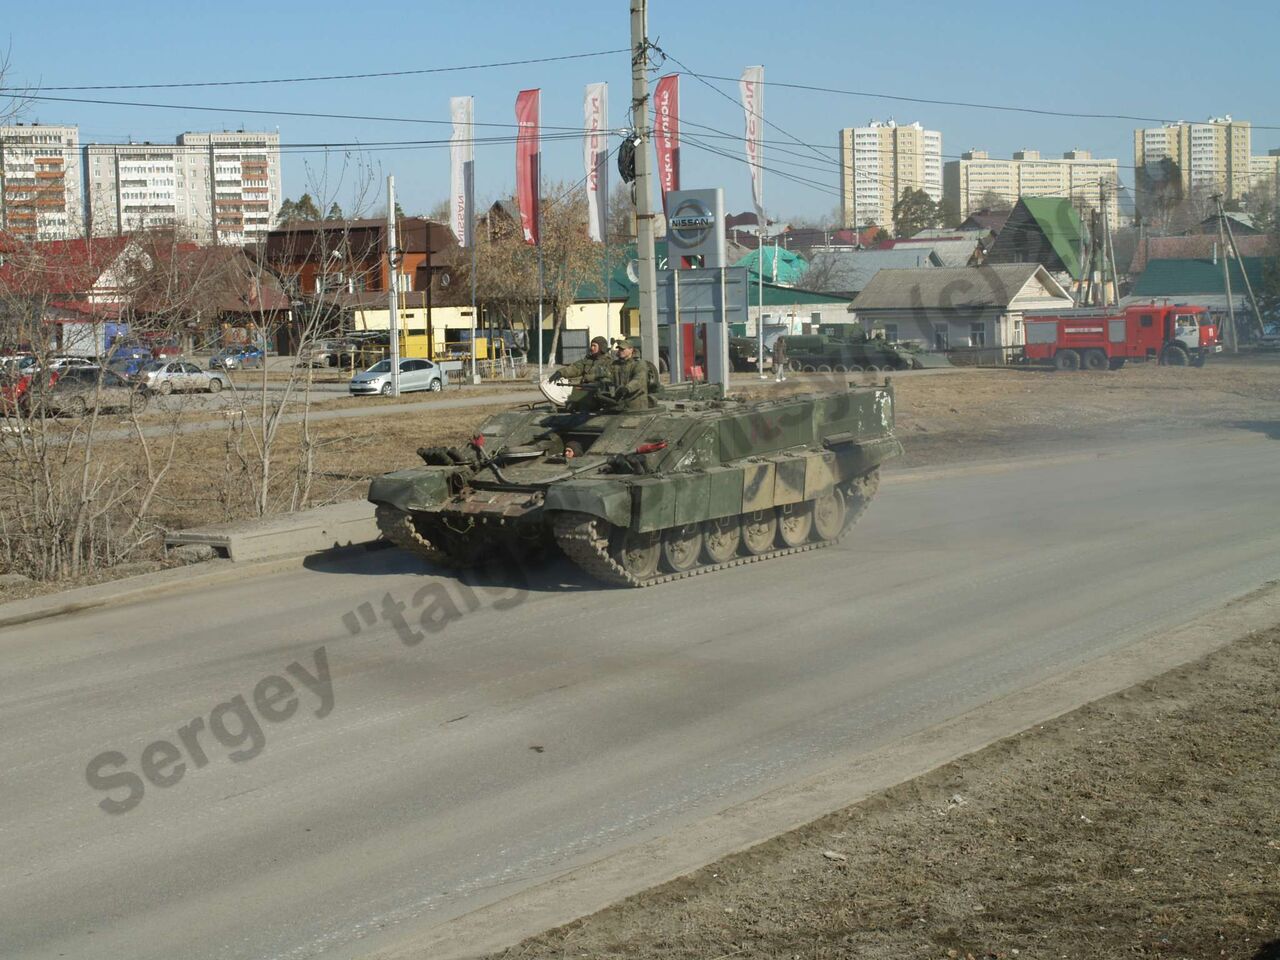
column 879, row 161
column 1212, row 157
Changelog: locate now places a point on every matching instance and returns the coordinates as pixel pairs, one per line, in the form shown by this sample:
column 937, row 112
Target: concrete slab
column 287, row 534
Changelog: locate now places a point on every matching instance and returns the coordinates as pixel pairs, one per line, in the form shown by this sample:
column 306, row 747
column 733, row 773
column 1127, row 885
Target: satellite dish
column 633, row 271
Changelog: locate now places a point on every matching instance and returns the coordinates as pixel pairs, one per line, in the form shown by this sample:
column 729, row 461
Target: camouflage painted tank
column 827, row 353
column 690, row 485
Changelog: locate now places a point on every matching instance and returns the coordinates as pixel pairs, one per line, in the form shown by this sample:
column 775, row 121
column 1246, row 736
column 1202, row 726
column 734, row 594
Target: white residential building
column 879, row 161
column 40, row 182
column 1264, row 174
column 970, row 182
column 1212, row 157
column 135, row 186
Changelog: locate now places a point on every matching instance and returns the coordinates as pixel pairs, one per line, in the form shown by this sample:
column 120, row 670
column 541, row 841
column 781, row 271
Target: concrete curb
column 583, row 891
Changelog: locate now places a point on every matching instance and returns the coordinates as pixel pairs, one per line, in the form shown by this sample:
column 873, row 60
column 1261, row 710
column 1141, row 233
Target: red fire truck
column 1173, row 334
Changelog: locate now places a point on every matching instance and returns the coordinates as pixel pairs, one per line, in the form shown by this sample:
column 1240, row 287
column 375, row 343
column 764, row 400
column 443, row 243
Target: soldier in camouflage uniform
column 593, row 368
column 633, row 379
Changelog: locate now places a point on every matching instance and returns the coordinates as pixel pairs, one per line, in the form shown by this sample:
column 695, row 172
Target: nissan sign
column 695, row 226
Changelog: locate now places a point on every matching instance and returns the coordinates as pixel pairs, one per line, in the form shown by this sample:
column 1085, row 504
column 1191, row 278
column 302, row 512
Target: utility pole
column 1235, row 252
column 1232, row 345
column 393, row 287
column 641, row 133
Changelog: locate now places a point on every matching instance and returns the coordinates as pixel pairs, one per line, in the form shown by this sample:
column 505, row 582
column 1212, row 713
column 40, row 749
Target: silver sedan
column 415, row 374
column 167, row 376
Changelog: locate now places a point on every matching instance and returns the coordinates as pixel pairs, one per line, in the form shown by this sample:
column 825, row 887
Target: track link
column 585, row 540
column 397, row 526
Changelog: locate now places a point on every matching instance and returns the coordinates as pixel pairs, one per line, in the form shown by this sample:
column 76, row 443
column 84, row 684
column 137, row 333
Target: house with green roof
column 1043, row 230
column 1199, row 281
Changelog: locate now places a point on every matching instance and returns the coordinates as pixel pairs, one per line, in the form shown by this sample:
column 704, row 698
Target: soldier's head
column 598, row 346
column 626, row 349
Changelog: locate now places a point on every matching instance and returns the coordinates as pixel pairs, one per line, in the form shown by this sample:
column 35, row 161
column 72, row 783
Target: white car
column 167, row 376
column 72, row 363
column 415, row 374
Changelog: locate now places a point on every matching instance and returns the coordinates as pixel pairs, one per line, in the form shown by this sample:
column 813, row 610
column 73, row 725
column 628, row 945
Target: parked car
column 234, row 358
column 77, row 391
column 72, row 363
column 129, row 367
column 128, row 350
column 16, row 387
column 166, row 349
column 415, row 374
column 324, row 353
column 168, row 376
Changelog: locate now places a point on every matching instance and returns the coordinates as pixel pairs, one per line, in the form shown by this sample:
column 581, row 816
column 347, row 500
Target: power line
column 345, row 76
column 970, row 104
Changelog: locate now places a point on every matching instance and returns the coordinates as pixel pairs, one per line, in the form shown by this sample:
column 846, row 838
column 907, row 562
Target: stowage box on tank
column 690, row 485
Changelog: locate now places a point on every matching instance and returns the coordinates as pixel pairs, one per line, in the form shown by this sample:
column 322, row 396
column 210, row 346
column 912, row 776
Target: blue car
column 234, row 358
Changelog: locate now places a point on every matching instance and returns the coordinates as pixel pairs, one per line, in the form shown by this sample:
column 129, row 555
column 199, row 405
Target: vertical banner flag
column 751, row 87
column 528, row 162
column 666, row 133
column 595, row 155
column 462, row 157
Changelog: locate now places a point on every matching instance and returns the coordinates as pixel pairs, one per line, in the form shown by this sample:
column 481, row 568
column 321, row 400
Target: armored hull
column 691, row 485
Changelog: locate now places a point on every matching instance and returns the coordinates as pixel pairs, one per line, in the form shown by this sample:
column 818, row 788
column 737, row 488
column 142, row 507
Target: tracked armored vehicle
column 689, row 485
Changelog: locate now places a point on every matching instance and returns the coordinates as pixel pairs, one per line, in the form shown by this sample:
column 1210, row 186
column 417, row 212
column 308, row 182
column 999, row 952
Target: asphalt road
column 554, row 723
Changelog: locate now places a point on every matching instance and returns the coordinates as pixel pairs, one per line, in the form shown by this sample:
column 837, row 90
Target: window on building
column 942, row 336
column 977, row 334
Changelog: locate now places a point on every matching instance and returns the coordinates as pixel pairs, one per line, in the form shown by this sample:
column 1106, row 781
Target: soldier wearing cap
column 593, row 368
column 632, row 377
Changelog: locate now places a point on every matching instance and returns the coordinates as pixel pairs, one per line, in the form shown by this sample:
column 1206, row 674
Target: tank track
column 585, row 540
column 397, row 526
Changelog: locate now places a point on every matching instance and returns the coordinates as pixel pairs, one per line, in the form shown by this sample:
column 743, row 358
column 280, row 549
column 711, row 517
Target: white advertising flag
column 595, row 156
column 751, row 87
column 462, row 153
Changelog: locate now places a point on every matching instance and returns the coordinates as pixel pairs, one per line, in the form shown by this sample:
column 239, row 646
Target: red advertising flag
column 528, row 162
column 666, row 133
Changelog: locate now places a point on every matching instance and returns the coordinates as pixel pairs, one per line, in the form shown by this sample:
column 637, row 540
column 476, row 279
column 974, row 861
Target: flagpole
column 542, row 285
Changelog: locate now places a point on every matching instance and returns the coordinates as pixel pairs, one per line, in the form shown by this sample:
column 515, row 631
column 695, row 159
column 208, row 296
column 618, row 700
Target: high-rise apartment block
column 212, row 187
column 1211, row 157
column 40, row 182
column 1264, row 175
column 977, row 179
column 215, row 187
column 879, row 161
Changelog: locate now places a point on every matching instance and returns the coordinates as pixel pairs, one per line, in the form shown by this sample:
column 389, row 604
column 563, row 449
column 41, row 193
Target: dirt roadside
column 1144, row 824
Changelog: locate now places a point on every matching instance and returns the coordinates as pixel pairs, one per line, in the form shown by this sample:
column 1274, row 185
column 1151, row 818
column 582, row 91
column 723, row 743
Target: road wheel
column 840, row 368
column 823, row 368
column 759, row 529
column 637, row 553
column 78, row 407
column 720, row 539
column 795, row 366
column 829, row 513
column 436, row 386
column 681, row 547
column 795, row 523
column 663, row 366
column 810, row 368
column 1174, row 356
column 165, row 388
column 1095, row 360
column 386, row 389
column 1066, row 360
column 137, row 402
column 215, row 385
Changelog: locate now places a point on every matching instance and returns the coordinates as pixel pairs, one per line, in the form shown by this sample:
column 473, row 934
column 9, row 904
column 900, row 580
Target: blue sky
column 1155, row 60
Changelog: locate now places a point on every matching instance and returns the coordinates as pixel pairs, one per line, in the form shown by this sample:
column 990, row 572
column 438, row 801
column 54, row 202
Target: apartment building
column 970, row 183
column 1264, row 174
column 1212, row 157
column 879, row 161
column 40, row 196
column 213, row 187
